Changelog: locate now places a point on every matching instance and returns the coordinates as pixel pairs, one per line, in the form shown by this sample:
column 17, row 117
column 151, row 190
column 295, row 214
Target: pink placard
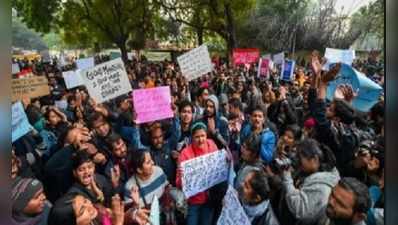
column 264, row 67
column 152, row 104
column 245, row 55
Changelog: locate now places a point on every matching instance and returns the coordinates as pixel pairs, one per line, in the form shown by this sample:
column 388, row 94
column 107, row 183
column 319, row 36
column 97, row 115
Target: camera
column 279, row 164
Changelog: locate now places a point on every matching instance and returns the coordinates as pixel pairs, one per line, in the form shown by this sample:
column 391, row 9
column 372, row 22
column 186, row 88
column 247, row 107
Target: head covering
column 197, row 126
column 223, row 99
column 214, row 99
column 23, row 190
column 310, row 123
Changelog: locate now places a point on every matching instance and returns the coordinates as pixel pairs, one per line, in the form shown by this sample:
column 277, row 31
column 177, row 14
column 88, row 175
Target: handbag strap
column 140, row 191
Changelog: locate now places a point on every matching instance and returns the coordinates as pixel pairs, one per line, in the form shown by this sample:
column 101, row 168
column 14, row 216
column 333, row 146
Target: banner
column 263, row 68
column 106, row 81
column 287, row 70
column 278, row 58
column 85, row 63
column 72, row 79
column 232, row 212
column 20, row 123
column 368, row 91
column 203, row 172
column 245, row 55
column 152, row 104
column 333, row 55
column 32, row 87
column 157, row 56
column 15, row 68
column 195, row 63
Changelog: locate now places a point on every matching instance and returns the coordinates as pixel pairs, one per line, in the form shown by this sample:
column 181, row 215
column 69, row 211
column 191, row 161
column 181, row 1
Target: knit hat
column 23, row 190
column 223, row 99
column 197, row 126
column 309, row 123
column 214, row 99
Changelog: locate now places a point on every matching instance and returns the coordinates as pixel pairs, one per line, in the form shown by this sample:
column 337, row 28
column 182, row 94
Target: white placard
column 107, row 80
column 203, row 172
column 15, row 68
column 45, row 56
column 232, row 212
column 195, row 63
column 278, row 58
column 72, row 79
column 20, row 123
column 85, row 63
column 334, row 55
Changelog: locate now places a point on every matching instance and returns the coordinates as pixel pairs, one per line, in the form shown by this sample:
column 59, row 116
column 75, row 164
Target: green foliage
column 25, row 38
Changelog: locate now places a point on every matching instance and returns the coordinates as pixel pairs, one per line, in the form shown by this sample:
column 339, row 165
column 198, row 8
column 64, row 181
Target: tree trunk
column 199, row 33
column 231, row 34
column 123, row 50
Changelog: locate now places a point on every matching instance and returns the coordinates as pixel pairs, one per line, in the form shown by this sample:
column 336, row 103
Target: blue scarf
column 255, row 210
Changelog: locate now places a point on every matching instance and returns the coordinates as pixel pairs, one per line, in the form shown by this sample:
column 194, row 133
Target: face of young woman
column 36, row 204
column 84, row 210
column 85, row 173
column 199, row 138
column 147, row 167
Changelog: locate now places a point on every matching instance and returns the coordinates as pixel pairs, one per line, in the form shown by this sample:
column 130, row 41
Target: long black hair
column 310, row 148
column 138, row 160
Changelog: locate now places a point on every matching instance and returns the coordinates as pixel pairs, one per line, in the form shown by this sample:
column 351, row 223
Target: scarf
column 256, row 210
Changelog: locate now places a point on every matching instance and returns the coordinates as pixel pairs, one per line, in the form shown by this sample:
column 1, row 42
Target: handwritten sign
column 106, row 81
column 15, row 68
column 20, row 123
column 333, row 55
column 245, row 55
column 368, row 91
column 203, row 172
column 72, row 79
column 32, row 87
column 232, row 213
column 85, row 63
column 157, row 56
column 195, row 63
column 287, row 70
column 263, row 67
column 279, row 58
column 152, row 104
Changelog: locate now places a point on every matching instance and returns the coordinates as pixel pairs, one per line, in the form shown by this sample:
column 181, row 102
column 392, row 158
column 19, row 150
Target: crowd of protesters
column 299, row 158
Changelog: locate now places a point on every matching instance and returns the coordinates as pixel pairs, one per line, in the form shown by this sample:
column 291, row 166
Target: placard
column 32, row 87
column 15, row 68
column 279, row 58
column 72, row 78
column 20, row 123
column 85, row 63
column 203, row 172
column 195, row 63
column 263, row 67
column 45, row 56
column 368, row 91
column 152, row 104
column 106, row 81
column 245, row 55
column 287, row 70
column 232, row 212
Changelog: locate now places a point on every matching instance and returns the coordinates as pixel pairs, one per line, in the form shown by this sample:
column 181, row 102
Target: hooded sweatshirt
column 308, row 204
column 221, row 122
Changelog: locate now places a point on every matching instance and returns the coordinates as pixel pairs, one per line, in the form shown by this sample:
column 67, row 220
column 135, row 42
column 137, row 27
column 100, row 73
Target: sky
column 351, row 6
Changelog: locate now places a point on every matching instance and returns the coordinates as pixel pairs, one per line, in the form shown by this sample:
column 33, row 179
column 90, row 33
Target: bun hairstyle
column 310, row 149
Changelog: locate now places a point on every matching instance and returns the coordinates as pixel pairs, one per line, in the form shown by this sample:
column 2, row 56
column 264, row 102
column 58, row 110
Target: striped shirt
column 155, row 185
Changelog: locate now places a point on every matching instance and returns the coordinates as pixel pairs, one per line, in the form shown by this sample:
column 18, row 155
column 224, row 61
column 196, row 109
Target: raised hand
column 331, row 74
column 117, row 207
column 115, row 176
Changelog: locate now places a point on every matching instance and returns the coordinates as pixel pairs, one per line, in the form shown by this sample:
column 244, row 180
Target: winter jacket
column 268, row 141
column 188, row 153
column 309, row 202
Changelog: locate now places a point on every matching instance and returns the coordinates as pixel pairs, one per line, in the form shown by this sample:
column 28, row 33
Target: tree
column 85, row 22
column 215, row 17
column 24, row 38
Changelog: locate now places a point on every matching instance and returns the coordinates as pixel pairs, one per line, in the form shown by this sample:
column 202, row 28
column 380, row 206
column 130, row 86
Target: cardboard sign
column 152, row 104
column 232, row 212
column 245, row 55
column 203, row 172
column 263, row 68
column 15, row 68
column 72, row 79
column 287, row 70
column 279, row 58
column 368, row 91
column 107, row 80
column 195, row 63
column 154, row 216
column 32, row 87
column 20, row 123
column 85, row 63
column 333, row 55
